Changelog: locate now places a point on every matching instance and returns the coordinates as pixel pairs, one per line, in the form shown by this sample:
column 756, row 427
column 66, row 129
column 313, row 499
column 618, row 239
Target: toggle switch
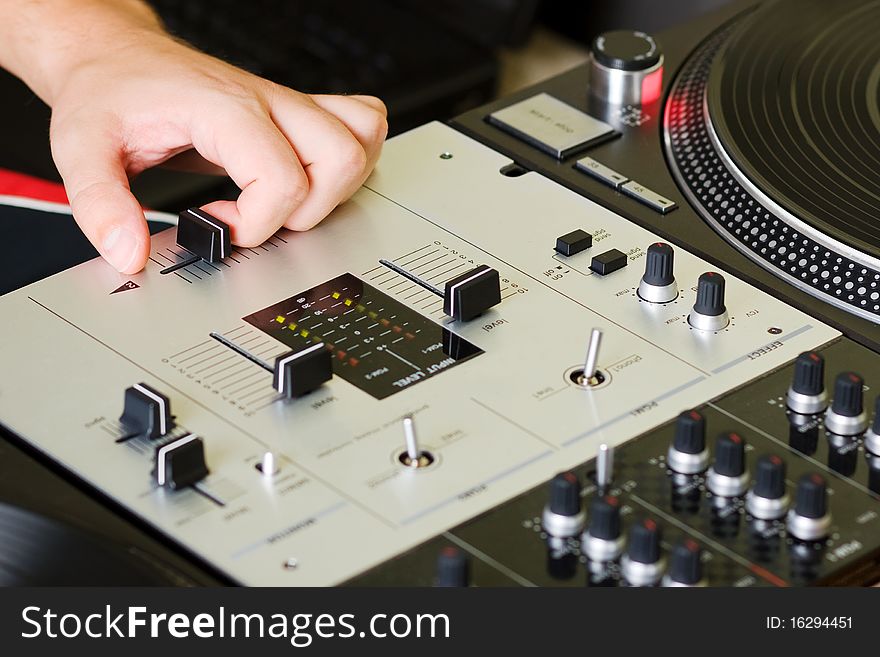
column 658, row 285
column 180, row 462
column 590, row 375
column 146, row 412
column 203, row 235
column 604, row 467
column 294, row 373
column 412, row 456
column 466, row 296
column 847, row 416
column 709, row 312
column 807, row 394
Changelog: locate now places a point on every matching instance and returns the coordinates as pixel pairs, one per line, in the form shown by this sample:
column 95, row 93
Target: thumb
column 100, row 199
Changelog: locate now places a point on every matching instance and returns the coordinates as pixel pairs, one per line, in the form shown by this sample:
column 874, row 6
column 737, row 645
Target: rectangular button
column 649, row 198
column 549, row 124
column 574, row 242
column 608, row 262
column 598, row 170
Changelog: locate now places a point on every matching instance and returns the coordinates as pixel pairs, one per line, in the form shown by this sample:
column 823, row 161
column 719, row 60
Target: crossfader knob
column 709, row 312
column 807, row 394
column 180, row 462
column 658, row 282
column 146, row 412
column 847, row 416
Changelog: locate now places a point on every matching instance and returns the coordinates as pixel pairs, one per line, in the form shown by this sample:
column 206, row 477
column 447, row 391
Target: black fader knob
column 685, row 565
column 603, row 540
column 643, row 563
column 768, row 499
column 453, row 568
column 709, row 312
column 564, row 515
column 203, row 235
column 299, row 372
column 146, row 412
column 688, row 453
column 810, row 519
column 728, row 477
column 180, row 462
column 807, row 392
column 872, row 437
column 847, row 416
column 658, row 282
column 472, row 293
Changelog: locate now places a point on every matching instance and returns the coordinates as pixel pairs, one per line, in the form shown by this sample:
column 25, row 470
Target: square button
column 608, row 262
column 574, row 242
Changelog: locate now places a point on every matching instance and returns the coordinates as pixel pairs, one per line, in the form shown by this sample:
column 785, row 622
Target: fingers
column 91, row 163
column 261, row 162
column 337, row 144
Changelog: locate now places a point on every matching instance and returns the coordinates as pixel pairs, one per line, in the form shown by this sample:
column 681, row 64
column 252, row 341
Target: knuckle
column 352, row 157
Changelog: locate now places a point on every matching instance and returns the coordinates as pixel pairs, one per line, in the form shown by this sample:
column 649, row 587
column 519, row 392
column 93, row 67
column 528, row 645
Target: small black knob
column 203, row 235
column 686, row 564
column 605, row 518
column 299, row 372
column 811, row 498
column 626, row 50
column 644, row 541
column 730, row 457
column 809, row 374
column 659, row 265
column 180, row 462
column 848, row 394
column 565, row 494
column 472, row 293
column 146, row 412
column 710, row 294
column 770, row 477
column 690, row 432
column 453, row 568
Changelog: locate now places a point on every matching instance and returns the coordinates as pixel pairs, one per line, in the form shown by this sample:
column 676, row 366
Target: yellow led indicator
column 373, row 315
column 336, row 295
column 280, row 319
column 304, row 333
column 348, row 302
column 292, row 326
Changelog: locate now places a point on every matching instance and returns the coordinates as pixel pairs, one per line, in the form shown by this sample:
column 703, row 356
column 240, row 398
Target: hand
column 147, row 99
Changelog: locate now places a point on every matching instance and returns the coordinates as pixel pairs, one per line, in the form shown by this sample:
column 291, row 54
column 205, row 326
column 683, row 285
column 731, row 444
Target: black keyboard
column 421, row 69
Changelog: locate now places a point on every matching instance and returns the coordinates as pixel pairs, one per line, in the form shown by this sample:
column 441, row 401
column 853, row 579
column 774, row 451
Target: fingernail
column 120, row 248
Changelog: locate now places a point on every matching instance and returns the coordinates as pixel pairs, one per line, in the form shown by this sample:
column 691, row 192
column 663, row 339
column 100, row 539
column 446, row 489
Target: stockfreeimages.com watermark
column 300, row 629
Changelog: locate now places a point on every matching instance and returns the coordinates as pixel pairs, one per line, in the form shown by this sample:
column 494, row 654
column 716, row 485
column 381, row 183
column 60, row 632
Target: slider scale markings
column 264, row 445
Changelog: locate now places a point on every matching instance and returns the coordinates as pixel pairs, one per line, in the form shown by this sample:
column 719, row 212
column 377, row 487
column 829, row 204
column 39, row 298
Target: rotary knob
column 872, row 437
column 453, row 568
column 603, row 540
column 688, row 453
column 768, row 498
column 810, row 520
column 728, row 476
column 807, row 391
column 658, row 282
column 643, row 563
column 564, row 515
column 847, row 416
column 686, row 565
column 626, row 68
column 709, row 312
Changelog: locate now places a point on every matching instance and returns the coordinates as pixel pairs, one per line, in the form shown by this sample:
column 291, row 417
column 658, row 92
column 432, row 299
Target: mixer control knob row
column 847, row 416
column 686, row 565
column 688, row 453
column 709, row 312
column 146, row 412
column 564, row 515
column 872, row 437
column 807, row 392
column 727, row 476
column 768, row 499
column 810, row 519
column 643, row 563
column 603, row 540
column 658, row 285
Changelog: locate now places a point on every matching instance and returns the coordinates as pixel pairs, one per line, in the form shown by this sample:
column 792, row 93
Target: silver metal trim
column 806, row 404
column 703, row 322
column 668, row 582
column 872, row 442
column 808, row 529
column 560, row 526
column 765, row 508
column 685, row 463
column 616, row 86
column 637, row 573
column 845, row 425
column 657, row 293
column 601, row 549
column 726, row 486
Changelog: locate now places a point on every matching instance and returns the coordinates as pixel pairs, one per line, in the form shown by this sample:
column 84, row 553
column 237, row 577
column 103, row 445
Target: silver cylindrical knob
column 626, row 68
